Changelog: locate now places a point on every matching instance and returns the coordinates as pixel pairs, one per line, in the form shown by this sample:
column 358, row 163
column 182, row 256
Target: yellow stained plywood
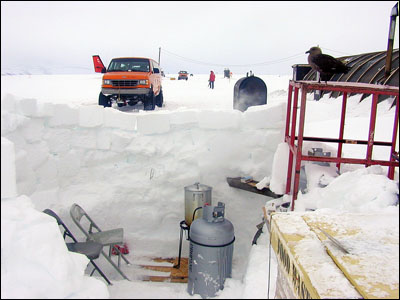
column 371, row 263
column 309, row 270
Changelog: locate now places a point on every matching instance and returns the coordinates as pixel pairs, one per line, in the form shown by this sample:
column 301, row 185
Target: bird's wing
column 325, row 61
column 329, row 64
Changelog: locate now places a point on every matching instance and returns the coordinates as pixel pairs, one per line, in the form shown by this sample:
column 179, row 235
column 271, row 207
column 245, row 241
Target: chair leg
column 100, row 272
column 114, row 265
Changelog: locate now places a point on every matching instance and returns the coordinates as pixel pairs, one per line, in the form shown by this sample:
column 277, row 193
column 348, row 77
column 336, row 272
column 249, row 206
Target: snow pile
column 363, row 190
column 35, row 262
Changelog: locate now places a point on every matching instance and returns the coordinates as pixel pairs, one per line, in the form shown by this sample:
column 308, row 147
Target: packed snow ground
column 129, row 169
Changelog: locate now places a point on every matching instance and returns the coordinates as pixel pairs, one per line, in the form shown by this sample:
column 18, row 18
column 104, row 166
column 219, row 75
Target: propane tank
column 196, row 195
column 210, row 253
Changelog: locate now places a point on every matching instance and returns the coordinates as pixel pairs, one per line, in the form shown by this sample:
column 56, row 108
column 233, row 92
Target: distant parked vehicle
column 227, row 73
column 183, row 75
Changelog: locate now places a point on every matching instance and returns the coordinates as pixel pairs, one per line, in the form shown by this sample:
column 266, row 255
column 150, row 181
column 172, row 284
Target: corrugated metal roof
column 365, row 68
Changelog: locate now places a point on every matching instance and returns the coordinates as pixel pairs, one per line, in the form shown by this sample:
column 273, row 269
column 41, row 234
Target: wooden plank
column 250, row 186
column 165, row 279
column 171, row 274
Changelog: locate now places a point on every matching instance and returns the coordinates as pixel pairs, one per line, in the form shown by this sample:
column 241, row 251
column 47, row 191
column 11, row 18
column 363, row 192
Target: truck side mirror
column 156, row 70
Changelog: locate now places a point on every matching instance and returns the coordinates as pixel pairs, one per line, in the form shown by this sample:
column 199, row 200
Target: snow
column 128, row 168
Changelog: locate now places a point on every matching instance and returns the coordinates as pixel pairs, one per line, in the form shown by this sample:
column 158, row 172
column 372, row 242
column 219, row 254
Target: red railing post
column 341, row 130
column 371, row 132
column 291, row 140
column 394, row 138
column 289, row 106
column 299, row 145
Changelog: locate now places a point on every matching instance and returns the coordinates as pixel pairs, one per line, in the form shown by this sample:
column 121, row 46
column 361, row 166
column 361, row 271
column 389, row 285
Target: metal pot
column 196, row 195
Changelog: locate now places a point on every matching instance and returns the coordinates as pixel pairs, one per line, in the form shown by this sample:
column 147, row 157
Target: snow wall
column 129, row 169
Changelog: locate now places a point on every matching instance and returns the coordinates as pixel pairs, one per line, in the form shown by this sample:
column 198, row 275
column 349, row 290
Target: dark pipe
column 393, row 15
column 194, row 212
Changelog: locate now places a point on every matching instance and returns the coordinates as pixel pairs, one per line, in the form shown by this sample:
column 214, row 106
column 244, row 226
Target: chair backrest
column 77, row 213
column 60, row 223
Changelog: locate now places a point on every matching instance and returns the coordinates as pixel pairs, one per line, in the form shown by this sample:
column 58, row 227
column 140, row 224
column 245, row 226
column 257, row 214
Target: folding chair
column 92, row 250
column 111, row 238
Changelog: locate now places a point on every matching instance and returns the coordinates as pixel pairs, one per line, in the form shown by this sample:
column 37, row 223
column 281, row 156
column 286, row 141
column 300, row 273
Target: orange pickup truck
column 129, row 81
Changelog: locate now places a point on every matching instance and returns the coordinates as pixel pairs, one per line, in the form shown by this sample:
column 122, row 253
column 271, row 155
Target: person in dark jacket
column 211, row 80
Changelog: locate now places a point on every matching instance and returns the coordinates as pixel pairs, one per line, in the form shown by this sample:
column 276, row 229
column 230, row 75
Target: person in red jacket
column 211, row 80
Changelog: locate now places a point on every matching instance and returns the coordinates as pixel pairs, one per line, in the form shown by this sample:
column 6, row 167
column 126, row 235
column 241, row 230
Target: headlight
column 107, row 81
column 143, row 82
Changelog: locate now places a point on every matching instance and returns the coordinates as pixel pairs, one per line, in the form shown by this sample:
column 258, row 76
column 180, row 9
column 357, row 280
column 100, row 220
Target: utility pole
column 392, row 27
column 159, row 55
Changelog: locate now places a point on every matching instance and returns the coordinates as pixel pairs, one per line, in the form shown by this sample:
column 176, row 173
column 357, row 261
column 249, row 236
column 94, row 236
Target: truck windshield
column 129, row 65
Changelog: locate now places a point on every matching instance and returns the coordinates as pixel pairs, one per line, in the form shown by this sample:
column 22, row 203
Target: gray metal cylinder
column 210, row 252
column 196, row 195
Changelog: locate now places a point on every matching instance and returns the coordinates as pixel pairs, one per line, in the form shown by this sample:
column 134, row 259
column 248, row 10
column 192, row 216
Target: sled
column 248, row 184
column 179, row 275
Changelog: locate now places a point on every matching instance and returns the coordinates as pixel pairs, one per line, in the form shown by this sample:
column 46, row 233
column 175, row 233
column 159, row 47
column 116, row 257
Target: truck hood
column 126, row 75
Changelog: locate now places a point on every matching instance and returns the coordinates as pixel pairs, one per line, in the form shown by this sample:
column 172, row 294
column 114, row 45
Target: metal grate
column 124, row 82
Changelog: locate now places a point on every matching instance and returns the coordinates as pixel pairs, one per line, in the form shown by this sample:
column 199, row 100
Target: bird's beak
column 308, row 51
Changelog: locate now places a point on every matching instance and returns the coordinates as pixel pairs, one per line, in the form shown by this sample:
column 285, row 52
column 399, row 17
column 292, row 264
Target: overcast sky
column 265, row 37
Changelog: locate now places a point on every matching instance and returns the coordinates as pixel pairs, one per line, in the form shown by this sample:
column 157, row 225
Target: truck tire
column 104, row 100
column 150, row 102
column 160, row 99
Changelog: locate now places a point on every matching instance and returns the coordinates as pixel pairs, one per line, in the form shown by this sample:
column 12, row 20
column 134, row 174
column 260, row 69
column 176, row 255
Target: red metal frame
column 295, row 153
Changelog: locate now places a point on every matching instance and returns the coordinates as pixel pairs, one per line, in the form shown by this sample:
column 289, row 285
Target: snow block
column 59, row 140
column 91, row 116
column 23, row 167
column 103, row 139
column 83, row 138
column 11, row 121
column 183, row 117
column 120, row 140
column 8, row 174
column 219, row 119
column 279, row 169
column 117, row 119
column 274, row 137
column 47, row 174
column 153, row 123
column 64, row 115
column 38, row 154
column 46, row 109
column 68, row 164
column 9, row 103
column 28, row 107
column 265, row 116
column 33, row 131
